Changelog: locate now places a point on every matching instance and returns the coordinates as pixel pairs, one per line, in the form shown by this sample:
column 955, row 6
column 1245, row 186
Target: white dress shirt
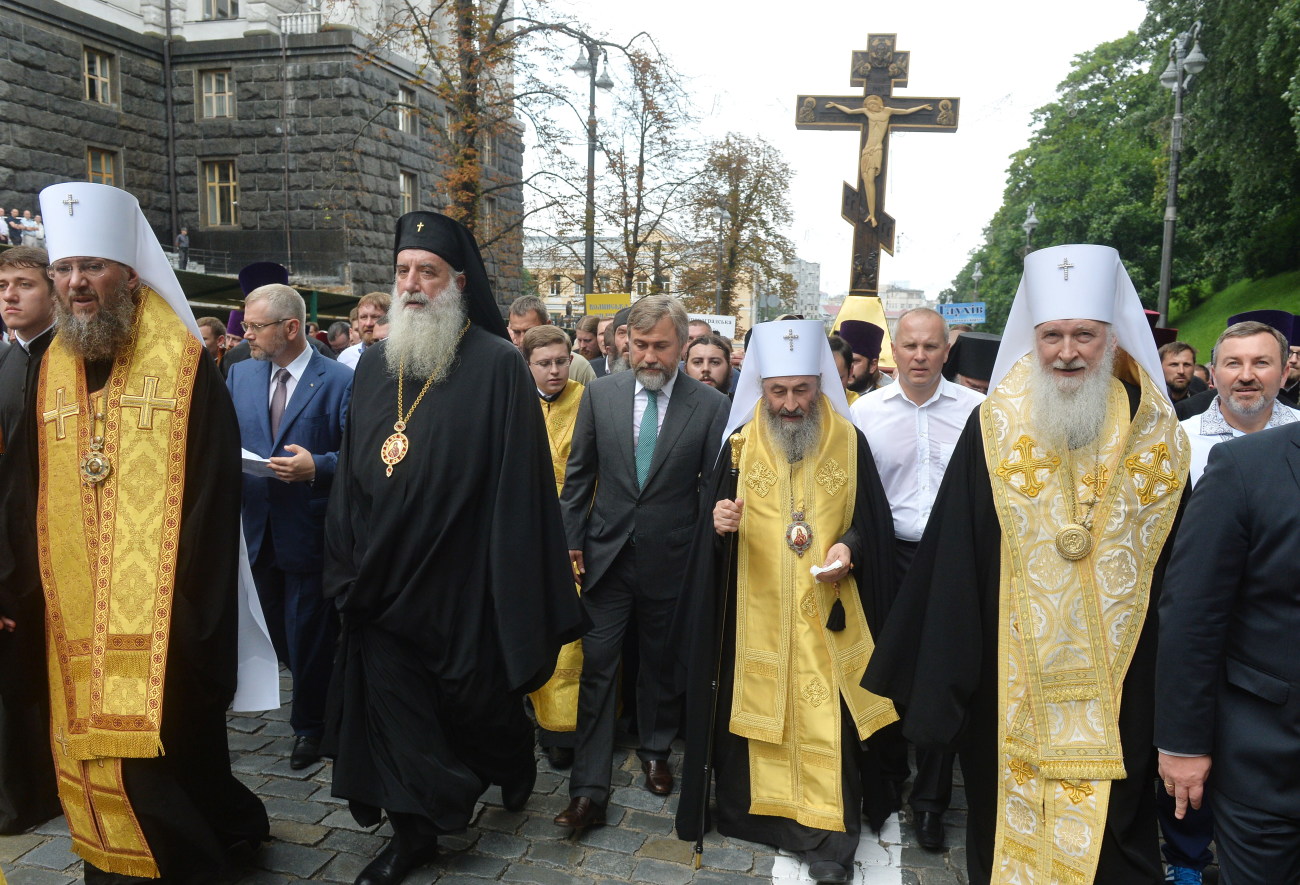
column 296, row 368
column 912, row 445
column 1208, row 429
column 349, row 356
column 639, row 401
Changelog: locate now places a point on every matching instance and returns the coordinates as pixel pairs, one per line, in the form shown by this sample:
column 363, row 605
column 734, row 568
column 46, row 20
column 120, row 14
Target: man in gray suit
column 1227, row 675
column 642, row 442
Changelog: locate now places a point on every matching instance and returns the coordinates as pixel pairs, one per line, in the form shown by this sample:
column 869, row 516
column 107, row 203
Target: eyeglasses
column 85, row 268
column 557, row 362
column 257, row 327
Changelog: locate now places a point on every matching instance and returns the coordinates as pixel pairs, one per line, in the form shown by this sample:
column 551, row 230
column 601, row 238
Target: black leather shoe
column 306, row 752
column 515, row 796
column 560, row 757
column 394, row 862
column 827, row 871
column 580, row 814
column 929, row 830
column 658, row 776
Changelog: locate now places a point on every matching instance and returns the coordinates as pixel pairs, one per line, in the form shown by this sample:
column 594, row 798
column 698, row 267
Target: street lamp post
column 975, row 276
column 1183, row 66
column 724, row 218
column 586, row 66
column 1030, row 224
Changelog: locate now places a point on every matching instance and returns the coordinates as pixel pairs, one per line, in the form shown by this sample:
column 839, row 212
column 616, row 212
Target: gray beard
column 619, row 365
column 1070, row 415
column 796, row 439
column 104, row 334
column 423, row 342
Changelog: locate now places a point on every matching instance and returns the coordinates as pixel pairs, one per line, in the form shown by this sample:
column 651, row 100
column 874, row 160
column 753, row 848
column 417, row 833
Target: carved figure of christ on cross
column 878, row 69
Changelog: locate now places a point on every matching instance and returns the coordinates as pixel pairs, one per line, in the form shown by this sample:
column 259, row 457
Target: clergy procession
column 464, row 589
column 466, row 554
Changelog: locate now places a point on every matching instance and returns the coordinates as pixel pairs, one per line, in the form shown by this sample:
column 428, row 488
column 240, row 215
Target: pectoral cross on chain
column 790, row 337
column 1065, row 266
column 59, row 414
column 148, row 402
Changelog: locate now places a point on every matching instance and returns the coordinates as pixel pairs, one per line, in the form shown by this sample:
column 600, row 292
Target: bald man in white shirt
column 912, row 427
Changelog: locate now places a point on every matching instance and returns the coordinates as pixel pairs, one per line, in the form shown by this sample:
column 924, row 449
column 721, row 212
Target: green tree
column 1092, row 169
column 1239, row 192
column 750, row 179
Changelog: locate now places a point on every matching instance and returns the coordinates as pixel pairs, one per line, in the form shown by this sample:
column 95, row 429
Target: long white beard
column 422, row 341
column 796, row 438
column 1070, row 412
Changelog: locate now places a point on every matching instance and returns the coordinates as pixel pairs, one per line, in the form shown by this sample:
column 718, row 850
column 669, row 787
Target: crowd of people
column 17, row 229
column 470, row 536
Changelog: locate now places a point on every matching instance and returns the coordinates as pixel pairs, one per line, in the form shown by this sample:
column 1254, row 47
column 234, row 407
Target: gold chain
column 401, row 374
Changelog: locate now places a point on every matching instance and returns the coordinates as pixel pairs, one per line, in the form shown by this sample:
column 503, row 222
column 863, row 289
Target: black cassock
column 453, row 581
column 27, row 788
column 938, row 660
column 190, row 806
column 871, row 540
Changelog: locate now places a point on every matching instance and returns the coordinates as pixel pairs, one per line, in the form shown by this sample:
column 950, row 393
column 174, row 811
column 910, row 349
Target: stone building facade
column 292, row 139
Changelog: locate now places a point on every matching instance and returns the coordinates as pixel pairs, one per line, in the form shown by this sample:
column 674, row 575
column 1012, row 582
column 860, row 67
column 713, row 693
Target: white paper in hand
column 817, row 569
column 256, row 465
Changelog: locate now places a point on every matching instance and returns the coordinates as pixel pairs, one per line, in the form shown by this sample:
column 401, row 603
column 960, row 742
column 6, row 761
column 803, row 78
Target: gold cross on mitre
column 790, row 337
column 1027, row 466
column 1151, row 475
column 70, row 201
column 147, row 401
column 59, row 414
column 419, row 227
column 1065, row 266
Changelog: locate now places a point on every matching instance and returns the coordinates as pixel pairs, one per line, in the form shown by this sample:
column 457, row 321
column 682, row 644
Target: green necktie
column 645, row 444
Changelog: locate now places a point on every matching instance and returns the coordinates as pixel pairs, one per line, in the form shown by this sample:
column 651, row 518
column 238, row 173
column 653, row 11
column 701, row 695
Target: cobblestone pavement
column 315, row 838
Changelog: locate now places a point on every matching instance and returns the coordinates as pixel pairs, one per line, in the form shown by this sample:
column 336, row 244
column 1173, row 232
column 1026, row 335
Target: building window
column 488, row 155
column 101, row 166
column 578, row 290
column 407, row 185
column 98, row 68
column 555, row 287
column 406, row 110
column 220, row 193
column 220, row 9
column 218, row 96
column 489, row 216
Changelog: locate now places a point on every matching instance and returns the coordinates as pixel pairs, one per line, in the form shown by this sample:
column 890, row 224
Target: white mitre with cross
column 1077, row 282
column 85, row 220
column 781, row 349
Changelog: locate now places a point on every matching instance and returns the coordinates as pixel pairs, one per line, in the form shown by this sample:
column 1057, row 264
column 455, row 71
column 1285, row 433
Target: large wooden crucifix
column 877, row 69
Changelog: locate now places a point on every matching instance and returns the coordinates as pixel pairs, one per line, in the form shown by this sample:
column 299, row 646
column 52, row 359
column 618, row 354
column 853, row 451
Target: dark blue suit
column 284, row 523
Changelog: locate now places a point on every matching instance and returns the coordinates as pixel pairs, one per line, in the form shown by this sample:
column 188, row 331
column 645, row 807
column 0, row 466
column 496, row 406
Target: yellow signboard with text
column 606, row 304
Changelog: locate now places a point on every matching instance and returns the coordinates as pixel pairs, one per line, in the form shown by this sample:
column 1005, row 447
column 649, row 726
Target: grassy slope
column 1200, row 326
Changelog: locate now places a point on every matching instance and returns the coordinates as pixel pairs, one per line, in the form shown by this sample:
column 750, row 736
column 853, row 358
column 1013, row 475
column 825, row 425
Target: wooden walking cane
column 733, row 476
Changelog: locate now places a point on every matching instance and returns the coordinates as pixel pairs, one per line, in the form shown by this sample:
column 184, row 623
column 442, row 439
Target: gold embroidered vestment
column 790, row 671
column 108, row 567
column 1068, row 627
column 555, row 704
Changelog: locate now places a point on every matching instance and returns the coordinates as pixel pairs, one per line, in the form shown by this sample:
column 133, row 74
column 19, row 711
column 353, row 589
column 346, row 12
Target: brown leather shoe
column 658, row 776
column 580, row 814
